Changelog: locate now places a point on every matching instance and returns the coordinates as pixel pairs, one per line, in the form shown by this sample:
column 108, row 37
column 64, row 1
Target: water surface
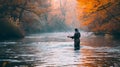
column 56, row 50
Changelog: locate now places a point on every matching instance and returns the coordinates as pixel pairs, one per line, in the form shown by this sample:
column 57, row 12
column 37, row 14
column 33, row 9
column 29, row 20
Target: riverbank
column 8, row 30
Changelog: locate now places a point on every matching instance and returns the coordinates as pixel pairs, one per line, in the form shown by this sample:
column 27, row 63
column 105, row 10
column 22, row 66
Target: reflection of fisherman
column 76, row 38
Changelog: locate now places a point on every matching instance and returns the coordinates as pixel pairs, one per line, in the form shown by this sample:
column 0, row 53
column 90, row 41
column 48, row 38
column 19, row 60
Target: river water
column 56, row 50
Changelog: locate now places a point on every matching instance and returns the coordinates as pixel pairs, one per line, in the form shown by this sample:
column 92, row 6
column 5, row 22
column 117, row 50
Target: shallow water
column 56, row 50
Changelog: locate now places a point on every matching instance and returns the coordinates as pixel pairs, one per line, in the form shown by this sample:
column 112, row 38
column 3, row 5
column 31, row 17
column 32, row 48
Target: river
column 56, row 50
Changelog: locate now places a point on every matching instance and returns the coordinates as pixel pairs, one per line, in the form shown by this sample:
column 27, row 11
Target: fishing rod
column 64, row 14
column 75, row 23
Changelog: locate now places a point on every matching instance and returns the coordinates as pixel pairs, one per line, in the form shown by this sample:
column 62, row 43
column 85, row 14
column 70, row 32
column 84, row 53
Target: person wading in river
column 76, row 38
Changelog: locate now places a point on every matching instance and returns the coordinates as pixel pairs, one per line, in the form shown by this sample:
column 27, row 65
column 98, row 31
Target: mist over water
column 61, row 16
column 52, row 48
column 56, row 50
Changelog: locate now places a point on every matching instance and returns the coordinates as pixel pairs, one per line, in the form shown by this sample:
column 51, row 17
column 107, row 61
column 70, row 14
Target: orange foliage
column 89, row 6
column 98, row 15
column 86, row 23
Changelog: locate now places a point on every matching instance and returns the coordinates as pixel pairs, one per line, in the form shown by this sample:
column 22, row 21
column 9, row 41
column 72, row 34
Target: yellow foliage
column 94, row 14
column 88, row 22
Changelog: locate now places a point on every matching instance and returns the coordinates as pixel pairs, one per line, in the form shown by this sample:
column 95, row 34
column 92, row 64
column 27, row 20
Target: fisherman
column 76, row 38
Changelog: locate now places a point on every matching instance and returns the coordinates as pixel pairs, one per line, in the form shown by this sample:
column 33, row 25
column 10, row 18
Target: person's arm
column 76, row 36
column 71, row 37
column 80, row 34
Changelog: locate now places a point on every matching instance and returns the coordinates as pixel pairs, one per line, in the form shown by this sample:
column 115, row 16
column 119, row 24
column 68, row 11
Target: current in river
column 56, row 50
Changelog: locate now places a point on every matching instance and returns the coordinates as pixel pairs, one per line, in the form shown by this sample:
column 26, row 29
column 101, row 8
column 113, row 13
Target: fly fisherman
column 76, row 38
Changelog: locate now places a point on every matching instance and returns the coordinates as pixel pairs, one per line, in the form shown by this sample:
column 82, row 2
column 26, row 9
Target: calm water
column 56, row 50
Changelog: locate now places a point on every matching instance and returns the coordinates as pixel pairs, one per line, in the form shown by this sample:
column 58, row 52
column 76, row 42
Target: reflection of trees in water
column 93, row 58
column 53, row 49
column 13, row 55
column 13, row 64
column 99, row 51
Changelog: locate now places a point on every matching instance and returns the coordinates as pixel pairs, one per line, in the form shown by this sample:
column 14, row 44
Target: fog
column 61, row 16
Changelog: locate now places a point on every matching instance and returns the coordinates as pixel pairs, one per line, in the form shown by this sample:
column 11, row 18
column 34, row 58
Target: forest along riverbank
column 55, row 49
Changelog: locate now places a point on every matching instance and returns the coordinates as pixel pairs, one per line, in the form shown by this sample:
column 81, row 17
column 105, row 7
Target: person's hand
column 68, row 36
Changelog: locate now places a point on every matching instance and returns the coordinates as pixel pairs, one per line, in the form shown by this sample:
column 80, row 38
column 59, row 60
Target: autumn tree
column 8, row 15
column 100, row 16
column 14, row 14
